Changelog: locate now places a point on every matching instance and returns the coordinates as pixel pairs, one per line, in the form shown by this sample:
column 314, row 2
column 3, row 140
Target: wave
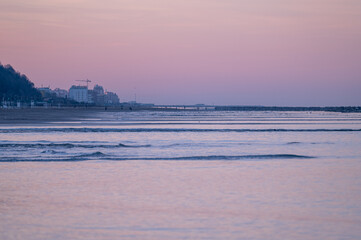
column 106, row 130
column 313, row 143
column 236, row 157
column 91, row 155
column 52, row 152
column 102, row 156
column 67, row 145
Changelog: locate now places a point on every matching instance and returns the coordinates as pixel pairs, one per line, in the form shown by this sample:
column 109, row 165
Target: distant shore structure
column 97, row 95
column 79, row 94
column 61, row 93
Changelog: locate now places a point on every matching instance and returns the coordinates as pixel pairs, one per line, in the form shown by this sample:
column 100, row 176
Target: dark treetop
column 16, row 86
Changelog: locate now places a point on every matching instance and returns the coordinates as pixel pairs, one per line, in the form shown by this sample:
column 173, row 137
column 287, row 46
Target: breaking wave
column 91, row 155
column 313, row 143
column 102, row 156
column 67, row 145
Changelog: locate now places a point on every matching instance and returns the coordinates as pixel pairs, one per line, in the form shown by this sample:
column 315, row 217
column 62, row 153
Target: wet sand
column 46, row 115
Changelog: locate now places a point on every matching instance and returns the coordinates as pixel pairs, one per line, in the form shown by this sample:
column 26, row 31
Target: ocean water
column 183, row 175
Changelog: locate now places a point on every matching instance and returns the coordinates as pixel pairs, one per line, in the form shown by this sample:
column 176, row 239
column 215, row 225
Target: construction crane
column 87, row 82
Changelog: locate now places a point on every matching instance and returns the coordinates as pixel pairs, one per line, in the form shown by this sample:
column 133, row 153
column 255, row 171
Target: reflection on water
column 49, row 192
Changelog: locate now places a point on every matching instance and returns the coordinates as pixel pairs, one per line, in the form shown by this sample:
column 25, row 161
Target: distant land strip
column 264, row 108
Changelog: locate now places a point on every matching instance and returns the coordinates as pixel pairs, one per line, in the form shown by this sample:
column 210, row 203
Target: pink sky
column 250, row 52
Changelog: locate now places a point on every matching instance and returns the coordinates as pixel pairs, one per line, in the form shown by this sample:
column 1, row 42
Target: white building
column 79, row 94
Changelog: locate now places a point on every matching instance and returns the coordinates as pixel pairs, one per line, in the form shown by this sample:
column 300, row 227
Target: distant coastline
column 17, row 92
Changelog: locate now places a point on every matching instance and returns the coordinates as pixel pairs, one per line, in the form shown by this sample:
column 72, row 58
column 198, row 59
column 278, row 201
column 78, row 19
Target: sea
column 183, row 175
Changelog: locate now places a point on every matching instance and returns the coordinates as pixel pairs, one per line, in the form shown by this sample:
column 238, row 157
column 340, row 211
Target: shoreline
column 68, row 114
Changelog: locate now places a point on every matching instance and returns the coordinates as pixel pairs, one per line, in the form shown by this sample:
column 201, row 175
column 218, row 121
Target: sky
column 229, row 52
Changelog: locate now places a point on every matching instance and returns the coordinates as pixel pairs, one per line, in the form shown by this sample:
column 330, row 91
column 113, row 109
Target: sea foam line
column 102, row 156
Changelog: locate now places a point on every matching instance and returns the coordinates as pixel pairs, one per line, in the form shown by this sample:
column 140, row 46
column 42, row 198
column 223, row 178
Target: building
column 98, row 89
column 98, row 95
column 80, row 94
column 46, row 92
column 61, row 93
column 111, row 98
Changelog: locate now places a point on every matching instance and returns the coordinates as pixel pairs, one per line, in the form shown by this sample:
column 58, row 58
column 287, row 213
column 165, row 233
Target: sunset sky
column 241, row 52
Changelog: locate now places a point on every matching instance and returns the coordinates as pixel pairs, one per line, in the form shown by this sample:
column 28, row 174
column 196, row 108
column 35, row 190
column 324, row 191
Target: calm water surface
column 183, row 175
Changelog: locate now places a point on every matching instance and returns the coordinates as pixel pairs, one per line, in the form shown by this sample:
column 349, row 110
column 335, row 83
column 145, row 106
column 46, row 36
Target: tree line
column 15, row 86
